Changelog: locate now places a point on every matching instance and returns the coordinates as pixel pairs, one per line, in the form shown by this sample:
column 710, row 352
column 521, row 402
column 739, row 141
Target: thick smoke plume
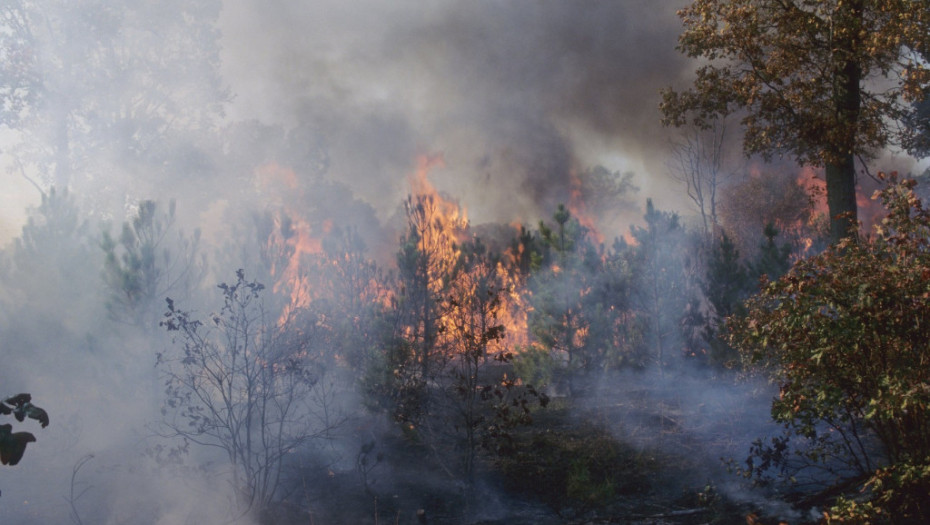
column 515, row 95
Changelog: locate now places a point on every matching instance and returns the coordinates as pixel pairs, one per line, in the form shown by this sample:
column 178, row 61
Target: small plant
column 13, row 444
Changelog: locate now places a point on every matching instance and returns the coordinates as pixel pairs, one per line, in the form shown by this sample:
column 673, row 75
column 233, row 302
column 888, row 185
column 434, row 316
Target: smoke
column 525, row 101
column 514, row 94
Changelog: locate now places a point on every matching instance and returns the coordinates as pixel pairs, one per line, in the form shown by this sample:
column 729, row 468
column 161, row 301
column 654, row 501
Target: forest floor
column 633, row 456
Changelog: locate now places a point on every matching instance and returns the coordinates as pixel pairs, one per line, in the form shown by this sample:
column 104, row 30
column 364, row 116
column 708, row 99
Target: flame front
column 293, row 236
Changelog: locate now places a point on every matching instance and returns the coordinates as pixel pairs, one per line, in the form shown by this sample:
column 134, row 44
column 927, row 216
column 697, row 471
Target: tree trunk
column 847, row 100
column 841, row 198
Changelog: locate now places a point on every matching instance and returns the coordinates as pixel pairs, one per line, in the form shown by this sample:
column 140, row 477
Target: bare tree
column 245, row 382
column 697, row 162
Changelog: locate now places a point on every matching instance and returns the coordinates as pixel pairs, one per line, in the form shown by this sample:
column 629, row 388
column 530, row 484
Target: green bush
column 534, row 365
column 844, row 335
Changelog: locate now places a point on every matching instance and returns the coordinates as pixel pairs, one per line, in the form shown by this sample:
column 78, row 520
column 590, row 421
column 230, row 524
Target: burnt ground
column 627, row 456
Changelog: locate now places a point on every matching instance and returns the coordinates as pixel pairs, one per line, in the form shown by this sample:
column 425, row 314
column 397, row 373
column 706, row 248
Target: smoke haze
column 514, row 94
column 270, row 124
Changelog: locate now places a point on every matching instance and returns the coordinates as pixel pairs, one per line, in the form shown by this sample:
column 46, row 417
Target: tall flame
column 293, row 235
column 579, row 209
column 447, row 230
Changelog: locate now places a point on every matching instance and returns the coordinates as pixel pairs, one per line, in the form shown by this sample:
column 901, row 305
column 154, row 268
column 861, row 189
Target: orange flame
column 811, row 179
column 419, row 179
column 298, row 238
column 579, row 209
column 448, row 230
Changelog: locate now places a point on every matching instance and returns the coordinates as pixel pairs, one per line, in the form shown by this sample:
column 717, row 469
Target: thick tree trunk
column 841, row 198
column 840, row 165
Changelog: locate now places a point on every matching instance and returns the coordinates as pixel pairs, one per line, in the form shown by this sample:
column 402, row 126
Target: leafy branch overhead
column 13, row 444
column 824, row 82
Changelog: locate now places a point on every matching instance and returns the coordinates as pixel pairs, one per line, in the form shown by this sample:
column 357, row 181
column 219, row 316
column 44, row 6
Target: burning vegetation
column 465, row 369
column 312, row 327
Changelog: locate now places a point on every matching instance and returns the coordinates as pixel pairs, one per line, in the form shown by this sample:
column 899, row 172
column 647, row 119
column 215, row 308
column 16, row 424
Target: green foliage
column 665, row 288
column 726, row 285
column 892, row 495
column 774, row 260
column 580, row 298
column 151, row 259
column 844, row 335
column 391, row 383
column 13, row 444
column 535, row 365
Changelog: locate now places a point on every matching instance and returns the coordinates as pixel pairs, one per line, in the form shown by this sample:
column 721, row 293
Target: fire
column 870, row 210
column 442, row 228
column 302, row 244
column 293, row 236
column 578, row 208
column 438, row 223
column 812, row 181
column 419, row 179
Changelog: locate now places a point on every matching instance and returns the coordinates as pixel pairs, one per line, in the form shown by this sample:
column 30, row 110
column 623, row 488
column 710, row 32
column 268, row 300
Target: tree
column 243, row 383
column 110, row 87
column 664, row 286
column 153, row 258
column 44, row 275
column 473, row 327
column 824, row 81
column 580, row 299
column 774, row 259
column 844, row 335
column 351, row 291
column 18, row 64
column 726, row 285
column 697, row 162
column 426, row 263
column 557, row 319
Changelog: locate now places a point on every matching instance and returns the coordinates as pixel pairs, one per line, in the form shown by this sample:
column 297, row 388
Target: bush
column 844, row 335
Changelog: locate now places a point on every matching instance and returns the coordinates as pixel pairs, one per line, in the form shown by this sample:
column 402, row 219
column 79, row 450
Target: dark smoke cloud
column 514, row 94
